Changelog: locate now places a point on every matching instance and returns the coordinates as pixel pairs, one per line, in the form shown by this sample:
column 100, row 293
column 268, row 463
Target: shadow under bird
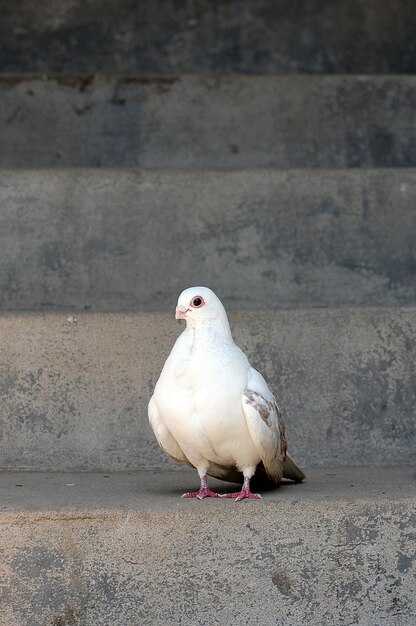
column 211, row 410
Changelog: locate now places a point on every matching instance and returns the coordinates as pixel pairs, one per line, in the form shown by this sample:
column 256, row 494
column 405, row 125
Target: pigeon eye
column 197, row 302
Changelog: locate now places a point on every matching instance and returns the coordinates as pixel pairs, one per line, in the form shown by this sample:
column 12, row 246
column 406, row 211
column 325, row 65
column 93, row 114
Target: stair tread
column 128, row 550
column 159, row 491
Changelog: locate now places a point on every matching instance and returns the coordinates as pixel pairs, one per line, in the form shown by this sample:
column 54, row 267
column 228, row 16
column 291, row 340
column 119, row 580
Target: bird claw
column 201, row 494
column 241, row 495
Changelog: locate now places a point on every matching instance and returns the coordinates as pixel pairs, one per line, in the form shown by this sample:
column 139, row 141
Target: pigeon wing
column 163, row 435
column 265, row 424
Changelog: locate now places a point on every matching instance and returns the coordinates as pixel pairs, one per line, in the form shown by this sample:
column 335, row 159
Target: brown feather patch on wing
column 262, row 406
column 265, row 408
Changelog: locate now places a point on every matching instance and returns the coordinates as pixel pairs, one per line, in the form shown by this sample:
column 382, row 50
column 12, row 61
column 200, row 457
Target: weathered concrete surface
column 83, row 550
column 74, row 393
column 159, row 491
column 194, row 121
column 132, row 239
column 164, row 37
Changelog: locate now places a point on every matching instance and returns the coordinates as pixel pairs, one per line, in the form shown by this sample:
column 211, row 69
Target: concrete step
column 197, row 121
column 132, row 239
column 117, row 549
column 164, row 36
column 74, row 390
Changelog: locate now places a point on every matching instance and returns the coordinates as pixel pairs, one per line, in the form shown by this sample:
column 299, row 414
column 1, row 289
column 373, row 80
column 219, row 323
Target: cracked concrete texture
column 131, row 240
column 338, row 549
column 74, row 389
column 193, row 121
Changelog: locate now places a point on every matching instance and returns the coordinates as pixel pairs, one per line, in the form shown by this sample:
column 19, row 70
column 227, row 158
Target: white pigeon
column 212, row 410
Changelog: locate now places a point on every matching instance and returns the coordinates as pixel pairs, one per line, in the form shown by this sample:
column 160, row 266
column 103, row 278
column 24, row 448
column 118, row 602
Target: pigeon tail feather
column 292, row 471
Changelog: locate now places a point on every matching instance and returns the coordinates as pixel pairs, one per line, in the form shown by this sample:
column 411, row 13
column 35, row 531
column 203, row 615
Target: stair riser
column 123, row 240
column 165, row 37
column 286, row 121
column 74, row 394
column 264, row 564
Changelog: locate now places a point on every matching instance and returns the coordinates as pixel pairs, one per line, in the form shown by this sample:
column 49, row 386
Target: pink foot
column 204, row 492
column 240, row 495
column 244, row 493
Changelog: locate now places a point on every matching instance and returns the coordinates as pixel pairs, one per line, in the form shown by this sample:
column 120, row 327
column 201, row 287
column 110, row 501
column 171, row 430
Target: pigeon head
column 199, row 304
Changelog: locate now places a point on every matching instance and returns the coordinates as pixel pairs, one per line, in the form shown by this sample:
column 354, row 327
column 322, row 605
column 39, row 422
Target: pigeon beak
column 180, row 312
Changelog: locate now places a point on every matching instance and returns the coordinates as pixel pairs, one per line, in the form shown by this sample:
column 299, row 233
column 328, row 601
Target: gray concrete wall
column 74, row 393
column 208, row 36
column 131, row 240
column 194, row 121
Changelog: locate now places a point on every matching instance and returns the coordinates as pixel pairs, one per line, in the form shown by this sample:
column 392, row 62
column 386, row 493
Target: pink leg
column 244, row 493
column 203, row 492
